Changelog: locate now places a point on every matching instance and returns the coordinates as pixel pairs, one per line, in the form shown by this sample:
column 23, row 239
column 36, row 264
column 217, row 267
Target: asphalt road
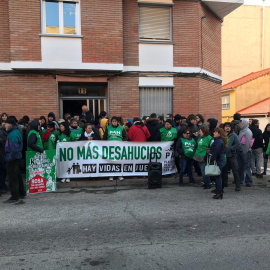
column 137, row 228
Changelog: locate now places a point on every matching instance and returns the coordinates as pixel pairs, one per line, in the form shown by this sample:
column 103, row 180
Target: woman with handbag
column 217, row 152
column 203, row 143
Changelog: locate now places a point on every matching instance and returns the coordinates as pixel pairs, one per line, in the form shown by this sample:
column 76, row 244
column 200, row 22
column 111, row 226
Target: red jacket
column 138, row 133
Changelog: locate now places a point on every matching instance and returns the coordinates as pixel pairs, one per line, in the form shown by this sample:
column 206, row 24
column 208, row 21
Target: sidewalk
column 142, row 182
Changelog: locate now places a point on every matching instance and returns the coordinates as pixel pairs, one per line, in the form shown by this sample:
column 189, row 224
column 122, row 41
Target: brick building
column 127, row 57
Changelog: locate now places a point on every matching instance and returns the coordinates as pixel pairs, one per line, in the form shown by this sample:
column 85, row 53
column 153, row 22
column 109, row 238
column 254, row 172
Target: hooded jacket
column 245, row 131
column 257, row 135
column 153, row 127
column 32, row 138
column 266, row 136
column 217, row 150
column 103, row 127
column 138, row 133
column 213, row 124
column 234, row 145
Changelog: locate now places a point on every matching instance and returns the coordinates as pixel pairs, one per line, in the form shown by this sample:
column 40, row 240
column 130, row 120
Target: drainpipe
column 263, row 15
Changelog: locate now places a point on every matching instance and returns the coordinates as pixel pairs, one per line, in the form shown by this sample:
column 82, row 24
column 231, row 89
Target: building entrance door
column 74, row 95
column 72, row 106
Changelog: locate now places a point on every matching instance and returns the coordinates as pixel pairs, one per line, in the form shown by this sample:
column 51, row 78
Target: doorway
column 74, row 95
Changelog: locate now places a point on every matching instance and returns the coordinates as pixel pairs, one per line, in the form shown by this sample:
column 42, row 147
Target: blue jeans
column 185, row 164
column 3, row 176
column 244, row 166
column 265, row 160
column 206, row 179
column 221, row 163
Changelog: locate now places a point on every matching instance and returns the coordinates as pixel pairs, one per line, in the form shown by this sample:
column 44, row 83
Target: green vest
column 38, row 142
column 203, row 143
column 115, row 134
column 50, row 144
column 188, row 147
column 76, row 133
column 168, row 135
column 64, row 138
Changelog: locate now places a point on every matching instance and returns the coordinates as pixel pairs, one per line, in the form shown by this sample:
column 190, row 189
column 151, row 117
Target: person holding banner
column 75, row 129
column 89, row 133
column 50, row 136
column 115, row 132
column 34, row 141
column 185, row 149
column 65, row 133
column 168, row 133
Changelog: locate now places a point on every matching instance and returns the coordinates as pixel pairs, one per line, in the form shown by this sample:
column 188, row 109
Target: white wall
column 155, row 81
column 61, row 50
column 155, row 57
column 257, row 2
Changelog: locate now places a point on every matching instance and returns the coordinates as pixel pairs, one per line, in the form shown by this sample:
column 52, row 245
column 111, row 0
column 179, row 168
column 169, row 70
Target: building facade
column 246, row 40
column 128, row 57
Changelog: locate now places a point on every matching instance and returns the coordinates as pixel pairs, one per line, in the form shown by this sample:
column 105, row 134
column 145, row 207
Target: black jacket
column 217, row 150
column 266, row 136
column 153, row 127
column 257, row 135
column 95, row 136
column 3, row 138
column 33, row 138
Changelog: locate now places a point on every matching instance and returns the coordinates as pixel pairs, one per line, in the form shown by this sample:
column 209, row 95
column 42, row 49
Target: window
column 61, row 17
column 155, row 23
column 226, row 102
column 155, row 100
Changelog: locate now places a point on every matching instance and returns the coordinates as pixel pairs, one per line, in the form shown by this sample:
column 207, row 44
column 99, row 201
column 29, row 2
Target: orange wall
column 242, row 42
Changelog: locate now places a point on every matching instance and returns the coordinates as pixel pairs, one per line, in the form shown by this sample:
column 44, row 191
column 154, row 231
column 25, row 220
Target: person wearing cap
column 153, row 127
column 168, row 133
column 13, row 151
column 50, row 136
column 34, row 141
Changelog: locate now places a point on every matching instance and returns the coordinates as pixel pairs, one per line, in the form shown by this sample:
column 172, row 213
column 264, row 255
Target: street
column 136, row 228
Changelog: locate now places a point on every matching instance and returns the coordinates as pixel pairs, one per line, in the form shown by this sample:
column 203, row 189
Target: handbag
column 212, row 170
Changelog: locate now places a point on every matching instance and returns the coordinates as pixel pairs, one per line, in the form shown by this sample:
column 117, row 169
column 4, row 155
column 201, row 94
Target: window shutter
column 155, row 23
column 155, row 100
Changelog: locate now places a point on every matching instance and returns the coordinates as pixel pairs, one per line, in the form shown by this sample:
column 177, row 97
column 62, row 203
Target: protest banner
column 111, row 158
column 40, row 171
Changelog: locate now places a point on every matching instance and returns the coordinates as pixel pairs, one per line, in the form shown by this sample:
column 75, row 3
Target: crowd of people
column 238, row 146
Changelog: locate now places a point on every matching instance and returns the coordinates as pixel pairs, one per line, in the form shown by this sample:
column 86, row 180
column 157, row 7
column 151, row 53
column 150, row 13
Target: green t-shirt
column 203, row 143
column 188, row 147
column 168, row 135
column 50, row 144
column 77, row 133
column 115, row 134
column 38, row 142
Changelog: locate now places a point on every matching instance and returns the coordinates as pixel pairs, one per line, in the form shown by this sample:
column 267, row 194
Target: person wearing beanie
column 177, row 121
column 236, row 123
column 50, row 136
column 168, row 133
column 34, row 141
column 13, row 151
column 154, row 128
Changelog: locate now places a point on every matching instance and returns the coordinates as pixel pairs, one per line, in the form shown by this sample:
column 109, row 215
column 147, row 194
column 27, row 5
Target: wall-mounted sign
column 82, row 91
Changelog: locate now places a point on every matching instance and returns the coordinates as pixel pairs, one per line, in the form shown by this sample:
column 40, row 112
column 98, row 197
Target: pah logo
column 169, row 152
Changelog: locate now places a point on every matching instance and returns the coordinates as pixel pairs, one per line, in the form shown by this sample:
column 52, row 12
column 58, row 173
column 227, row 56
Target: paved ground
column 131, row 227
